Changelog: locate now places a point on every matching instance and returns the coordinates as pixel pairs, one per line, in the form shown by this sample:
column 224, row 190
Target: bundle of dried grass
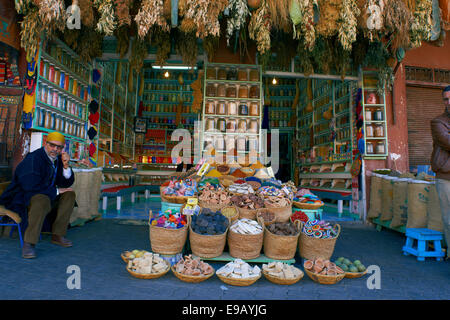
column 123, row 12
column 421, row 25
column 107, row 22
column 52, row 15
column 87, row 12
column 30, row 32
column 327, row 25
column 259, row 28
column 161, row 39
column 306, row 29
column 138, row 53
column 187, row 25
column 210, row 45
column 238, row 12
column 347, row 23
column 186, row 46
column 197, row 93
column 123, row 40
column 279, row 14
column 397, row 23
column 205, row 14
column 151, row 14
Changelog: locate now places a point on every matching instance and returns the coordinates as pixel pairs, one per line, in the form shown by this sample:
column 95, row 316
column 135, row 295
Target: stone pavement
column 98, row 244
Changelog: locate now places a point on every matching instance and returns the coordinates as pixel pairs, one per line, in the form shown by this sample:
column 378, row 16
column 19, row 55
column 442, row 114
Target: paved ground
column 98, row 244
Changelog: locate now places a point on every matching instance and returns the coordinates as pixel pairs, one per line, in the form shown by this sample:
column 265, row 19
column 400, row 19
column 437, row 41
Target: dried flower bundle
column 87, row 12
column 151, row 14
column 138, row 54
column 327, row 25
column 279, row 14
column 30, row 32
column 186, row 46
column 306, row 25
column 397, row 23
column 107, row 22
column 123, row 12
column 347, row 23
column 259, row 28
column 421, row 23
column 238, row 16
column 205, row 14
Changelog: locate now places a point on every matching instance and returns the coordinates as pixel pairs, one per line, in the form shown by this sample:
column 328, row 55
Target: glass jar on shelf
column 368, row 115
column 210, row 124
column 232, row 108
column 221, row 125
column 231, row 91
column 380, row 147
column 210, row 107
column 231, row 125
column 369, row 131
column 221, row 90
column 254, row 124
column 242, row 75
column 379, row 130
column 243, row 109
column 254, row 109
column 378, row 114
column 254, row 75
column 243, row 91
column 241, row 143
column 211, row 90
column 369, row 147
column 230, row 142
column 254, row 92
column 242, row 125
column 222, row 74
column 221, row 108
column 232, row 74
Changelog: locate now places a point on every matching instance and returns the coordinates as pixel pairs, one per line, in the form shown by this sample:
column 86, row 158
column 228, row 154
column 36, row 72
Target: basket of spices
column 223, row 169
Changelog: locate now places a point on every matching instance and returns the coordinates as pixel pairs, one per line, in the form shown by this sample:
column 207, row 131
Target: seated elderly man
column 41, row 183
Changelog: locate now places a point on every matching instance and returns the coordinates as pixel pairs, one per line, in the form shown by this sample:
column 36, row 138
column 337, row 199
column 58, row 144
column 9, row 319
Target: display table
column 261, row 259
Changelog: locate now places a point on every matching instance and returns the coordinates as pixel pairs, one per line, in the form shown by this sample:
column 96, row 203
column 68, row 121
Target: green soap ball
column 344, row 267
column 340, row 259
column 346, row 261
column 356, row 262
column 361, row 268
column 353, row 269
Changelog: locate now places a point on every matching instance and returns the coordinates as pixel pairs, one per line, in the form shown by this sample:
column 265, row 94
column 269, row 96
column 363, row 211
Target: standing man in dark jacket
column 440, row 162
column 41, row 183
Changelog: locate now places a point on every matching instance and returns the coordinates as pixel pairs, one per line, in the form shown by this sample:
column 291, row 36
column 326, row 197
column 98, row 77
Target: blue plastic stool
column 422, row 236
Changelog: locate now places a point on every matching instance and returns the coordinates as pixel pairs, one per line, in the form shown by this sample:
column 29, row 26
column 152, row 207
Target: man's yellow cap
column 56, row 136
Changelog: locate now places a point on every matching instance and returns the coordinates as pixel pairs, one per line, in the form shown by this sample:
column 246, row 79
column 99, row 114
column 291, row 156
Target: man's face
column 54, row 148
column 446, row 97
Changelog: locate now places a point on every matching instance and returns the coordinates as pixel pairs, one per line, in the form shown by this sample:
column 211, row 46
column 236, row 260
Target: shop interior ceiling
column 307, row 37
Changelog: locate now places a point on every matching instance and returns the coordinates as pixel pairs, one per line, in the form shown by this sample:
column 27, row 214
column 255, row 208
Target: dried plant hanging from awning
column 107, row 22
column 123, row 40
column 138, row 54
column 30, row 32
column 52, row 15
column 205, row 14
column 186, row 46
column 305, row 28
column 86, row 12
column 397, row 24
column 329, row 11
column 123, row 12
column 238, row 13
column 279, row 14
column 422, row 23
column 259, row 28
column 210, row 46
column 151, row 13
column 372, row 22
column 161, row 40
column 347, row 23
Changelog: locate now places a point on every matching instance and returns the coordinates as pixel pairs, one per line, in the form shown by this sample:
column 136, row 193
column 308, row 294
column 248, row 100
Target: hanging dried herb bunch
column 161, row 40
column 322, row 55
column 186, row 46
column 305, row 29
column 197, row 93
column 285, row 48
column 23, row 6
column 279, row 14
column 421, row 25
column 327, row 25
column 151, row 14
column 397, row 23
column 30, row 32
column 87, row 12
column 138, row 54
column 347, row 23
column 205, row 14
column 107, row 22
column 259, row 28
column 123, row 40
column 238, row 13
column 123, row 12
column 305, row 60
column 90, row 44
column 52, row 15
column 210, row 45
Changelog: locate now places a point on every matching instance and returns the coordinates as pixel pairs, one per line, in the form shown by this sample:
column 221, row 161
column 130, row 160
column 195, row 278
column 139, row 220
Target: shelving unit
column 167, row 107
column 374, row 115
column 62, row 95
column 325, row 131
column 232, row 109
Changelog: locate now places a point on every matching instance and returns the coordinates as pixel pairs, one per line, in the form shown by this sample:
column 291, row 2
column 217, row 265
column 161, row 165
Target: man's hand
column 62, row 190
column 65, row 159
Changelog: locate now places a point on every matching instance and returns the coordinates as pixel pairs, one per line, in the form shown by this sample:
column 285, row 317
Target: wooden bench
column 13, row 219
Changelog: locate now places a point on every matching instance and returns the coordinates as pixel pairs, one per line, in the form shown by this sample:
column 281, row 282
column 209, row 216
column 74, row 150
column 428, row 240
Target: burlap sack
column 399, row 203
column 95, row 181
column 386, row 198
column 417, row 203
column 434, row 214
column 83, row 195
column 375, row 196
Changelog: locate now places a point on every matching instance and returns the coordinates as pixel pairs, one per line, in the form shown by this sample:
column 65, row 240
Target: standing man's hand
column 65, row 160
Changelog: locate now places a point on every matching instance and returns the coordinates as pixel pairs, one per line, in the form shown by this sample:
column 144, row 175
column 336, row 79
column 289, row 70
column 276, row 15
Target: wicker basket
column 247, row 213
column 149, row 275
column 189, row 278
column 226, row 172
column 227, row 180
column 167, row 241
column 353, row 275
column 280, row 247
column 282, row 214
column 238, row 282
column 245, row 246
column 266, row 223
column 175, row 199
column 307, row 206
column 235, row 216
column 125, row 259
column 325, row 279
column 311, row 248
column 212, row 207
column 284, row 281
column 207, row 246
column 249, row 172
